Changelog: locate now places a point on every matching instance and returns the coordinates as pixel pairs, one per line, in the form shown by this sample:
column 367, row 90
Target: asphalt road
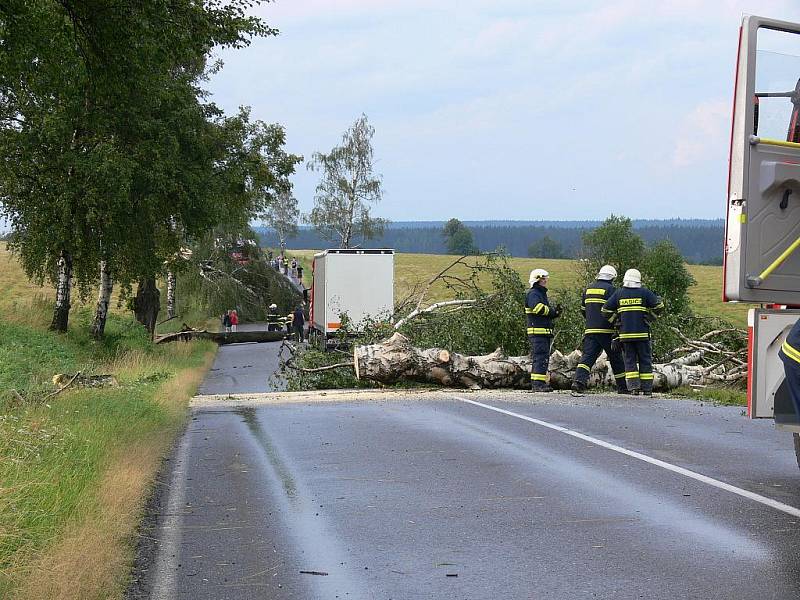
column 244, row 368
column 442, row 496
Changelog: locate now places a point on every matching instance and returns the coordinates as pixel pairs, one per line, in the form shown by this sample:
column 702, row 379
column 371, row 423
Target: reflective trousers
column 638, row 356
column 593, row 345
column 540, row 358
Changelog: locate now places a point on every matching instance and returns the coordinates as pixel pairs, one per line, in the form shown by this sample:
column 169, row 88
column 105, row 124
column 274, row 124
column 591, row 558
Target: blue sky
column 508, row 109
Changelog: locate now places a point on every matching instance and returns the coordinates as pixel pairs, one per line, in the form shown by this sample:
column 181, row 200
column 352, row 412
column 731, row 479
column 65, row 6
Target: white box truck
column 353, row 281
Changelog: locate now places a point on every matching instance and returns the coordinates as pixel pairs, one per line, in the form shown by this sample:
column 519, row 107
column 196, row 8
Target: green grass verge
column 723, row 396
column 55, row 452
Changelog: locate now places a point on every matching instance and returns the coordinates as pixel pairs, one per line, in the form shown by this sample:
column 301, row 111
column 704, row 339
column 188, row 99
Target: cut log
column 397, row 359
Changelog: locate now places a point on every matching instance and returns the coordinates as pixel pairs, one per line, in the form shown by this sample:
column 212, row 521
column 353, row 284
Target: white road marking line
column 790, row 510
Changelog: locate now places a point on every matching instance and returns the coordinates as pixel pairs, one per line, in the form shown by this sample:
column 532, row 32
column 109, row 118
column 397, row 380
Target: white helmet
column 273, row 306
column 607, row 272
column 632, row 279
column 536, row 275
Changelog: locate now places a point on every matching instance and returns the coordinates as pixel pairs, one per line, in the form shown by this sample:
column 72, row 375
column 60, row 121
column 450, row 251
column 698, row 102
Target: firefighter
column 790, row 355
column 539, row 315
column 599, row 333
column 274, row 322
column 635, row 307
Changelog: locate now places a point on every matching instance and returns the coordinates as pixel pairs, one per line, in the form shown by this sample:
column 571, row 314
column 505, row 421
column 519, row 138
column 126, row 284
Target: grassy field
column 76, row 468
column 413, row 270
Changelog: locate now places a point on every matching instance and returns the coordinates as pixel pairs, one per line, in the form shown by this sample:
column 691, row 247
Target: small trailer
column 356, row 282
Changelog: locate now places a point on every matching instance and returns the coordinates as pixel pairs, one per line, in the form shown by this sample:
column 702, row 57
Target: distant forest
column 700, row 241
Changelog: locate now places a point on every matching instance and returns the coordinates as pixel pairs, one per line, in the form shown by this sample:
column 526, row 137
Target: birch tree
column 348, row 188
column 282, row 216
column 103, row 301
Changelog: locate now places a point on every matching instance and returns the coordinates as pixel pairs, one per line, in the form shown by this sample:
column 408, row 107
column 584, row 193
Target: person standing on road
column 539, row 316
column 273, row 319
column 234, row 320
column 299, row 273
column 298, row 323
column 599, row 333
column 635, row 307
column 226, row 321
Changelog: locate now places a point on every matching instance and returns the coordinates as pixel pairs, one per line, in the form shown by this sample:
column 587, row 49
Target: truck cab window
column 777, row 85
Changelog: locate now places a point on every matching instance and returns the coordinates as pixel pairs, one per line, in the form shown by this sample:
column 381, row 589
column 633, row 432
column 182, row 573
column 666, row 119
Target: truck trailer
column 355, row 282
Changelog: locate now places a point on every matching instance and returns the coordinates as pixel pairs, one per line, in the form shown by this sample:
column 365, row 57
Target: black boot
column 539, row 386
column 623, row 390
column 577, row 389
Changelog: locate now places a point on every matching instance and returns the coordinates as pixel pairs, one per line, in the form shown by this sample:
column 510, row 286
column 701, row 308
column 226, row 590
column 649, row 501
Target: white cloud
column 703, row 133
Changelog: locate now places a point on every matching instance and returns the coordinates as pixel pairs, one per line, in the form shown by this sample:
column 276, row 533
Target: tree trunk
column 171, row 283
column 147, row 303
column 396, row 359
column 63, row 293
column 103, row 301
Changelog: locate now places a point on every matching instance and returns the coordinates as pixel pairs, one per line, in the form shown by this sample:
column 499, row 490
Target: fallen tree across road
column 396, row 359
column 221, row 338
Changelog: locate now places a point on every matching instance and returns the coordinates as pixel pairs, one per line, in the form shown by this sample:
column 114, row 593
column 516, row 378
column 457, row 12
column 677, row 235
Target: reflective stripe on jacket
column 538, row 311
column 594, row 297
column 633, row 309
column 791, row 347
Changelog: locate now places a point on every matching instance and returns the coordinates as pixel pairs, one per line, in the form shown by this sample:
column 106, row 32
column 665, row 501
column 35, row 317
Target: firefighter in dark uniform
column 635, row 307
column 539, row 315
column 790, row 355
column 274, row 322
column 599, row 333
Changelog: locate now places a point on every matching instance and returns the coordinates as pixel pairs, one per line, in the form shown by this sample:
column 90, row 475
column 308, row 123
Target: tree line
column 114, row 159
column 699, row 242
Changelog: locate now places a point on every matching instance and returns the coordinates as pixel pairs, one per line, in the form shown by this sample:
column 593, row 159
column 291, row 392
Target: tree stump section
column 396, row 358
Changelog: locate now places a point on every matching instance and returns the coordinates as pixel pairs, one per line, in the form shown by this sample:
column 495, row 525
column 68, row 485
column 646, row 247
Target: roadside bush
column 662, row 265
column 496, row 320
column 612, row 243
column 664, row 271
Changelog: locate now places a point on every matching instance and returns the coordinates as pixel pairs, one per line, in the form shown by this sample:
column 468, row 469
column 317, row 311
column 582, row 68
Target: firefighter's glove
column 557, row 310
